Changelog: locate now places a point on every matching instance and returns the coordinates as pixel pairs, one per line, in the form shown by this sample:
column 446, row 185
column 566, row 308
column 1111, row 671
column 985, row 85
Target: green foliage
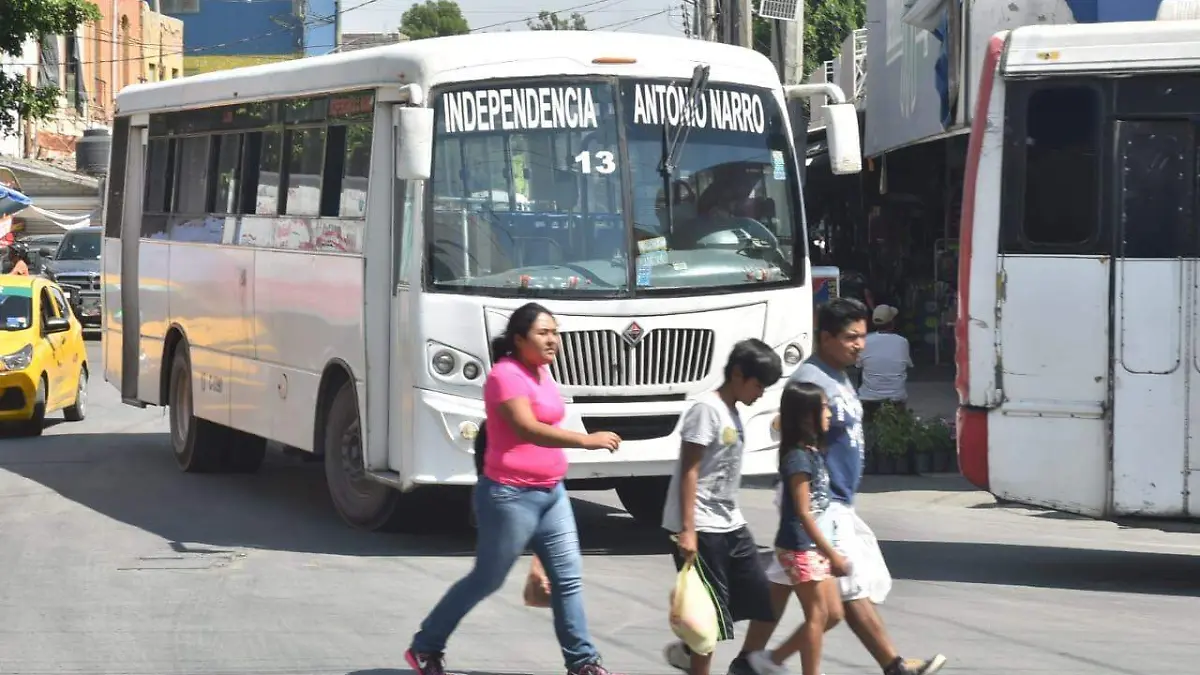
column 547, row 20
column 434, row 18
column 827, row 24
column 895, row 430
column 21, row 20
column 891, row 430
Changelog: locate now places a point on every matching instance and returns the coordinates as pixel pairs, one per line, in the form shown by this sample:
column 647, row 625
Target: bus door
column 1156, row 332
column 1052, row 300
column 122, row 231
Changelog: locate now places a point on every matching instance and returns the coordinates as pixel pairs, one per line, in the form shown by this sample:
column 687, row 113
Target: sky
column 638, row 16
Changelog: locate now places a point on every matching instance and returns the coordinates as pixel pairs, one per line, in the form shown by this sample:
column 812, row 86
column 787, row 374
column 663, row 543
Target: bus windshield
column 528, row 190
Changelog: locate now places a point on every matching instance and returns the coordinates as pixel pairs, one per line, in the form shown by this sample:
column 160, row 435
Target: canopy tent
column 12, row 201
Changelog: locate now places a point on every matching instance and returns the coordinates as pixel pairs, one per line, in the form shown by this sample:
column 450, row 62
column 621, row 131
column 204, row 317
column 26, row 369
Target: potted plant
column 892, row 436
column 943, row 449
column 923, row 445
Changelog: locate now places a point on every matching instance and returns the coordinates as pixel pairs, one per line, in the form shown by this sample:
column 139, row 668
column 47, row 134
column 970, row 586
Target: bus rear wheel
column 644, row 497
column 196, row 443
column 361, row 502
column 201, row 446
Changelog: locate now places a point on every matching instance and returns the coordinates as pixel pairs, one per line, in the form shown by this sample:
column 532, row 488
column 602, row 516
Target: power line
column 593, row 3
column 629, row 22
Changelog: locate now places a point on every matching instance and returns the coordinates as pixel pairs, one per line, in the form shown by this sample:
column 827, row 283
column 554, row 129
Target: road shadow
column 132, row 478
column 1044, row 567
column 877, row 484
column 934, row 482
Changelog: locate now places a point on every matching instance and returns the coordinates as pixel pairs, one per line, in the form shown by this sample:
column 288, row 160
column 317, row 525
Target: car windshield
column 81, row 246
column 527, row 193
column 16, row 308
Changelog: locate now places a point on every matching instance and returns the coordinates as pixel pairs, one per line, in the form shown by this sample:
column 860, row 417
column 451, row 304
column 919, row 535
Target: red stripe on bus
column 971, row 427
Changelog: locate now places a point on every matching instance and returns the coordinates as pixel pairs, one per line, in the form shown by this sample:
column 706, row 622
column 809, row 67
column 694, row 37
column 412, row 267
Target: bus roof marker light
column 614, row 60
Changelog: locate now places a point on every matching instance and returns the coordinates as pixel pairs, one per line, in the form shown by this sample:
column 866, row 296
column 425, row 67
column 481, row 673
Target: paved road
column 116, row 563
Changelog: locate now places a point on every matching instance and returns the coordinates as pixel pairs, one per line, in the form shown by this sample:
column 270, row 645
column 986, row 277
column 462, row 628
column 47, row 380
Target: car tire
column 36, row 424
column 78, row 411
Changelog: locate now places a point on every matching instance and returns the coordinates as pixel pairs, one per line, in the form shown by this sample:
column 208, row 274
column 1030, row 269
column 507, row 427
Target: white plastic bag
column 870, row 573
column 693, row 616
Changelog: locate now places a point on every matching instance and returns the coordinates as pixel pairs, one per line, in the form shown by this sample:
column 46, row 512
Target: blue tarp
column 12, row 201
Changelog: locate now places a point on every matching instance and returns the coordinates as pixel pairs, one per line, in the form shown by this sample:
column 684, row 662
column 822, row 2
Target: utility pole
column 739, row 23
column 706, row 12
column 787, row 47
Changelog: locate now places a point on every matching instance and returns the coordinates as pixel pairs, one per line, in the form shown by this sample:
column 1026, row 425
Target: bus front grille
column 605, row 358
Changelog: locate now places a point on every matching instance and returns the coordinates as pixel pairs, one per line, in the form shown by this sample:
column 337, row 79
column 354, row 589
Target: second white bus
column 1079, row 308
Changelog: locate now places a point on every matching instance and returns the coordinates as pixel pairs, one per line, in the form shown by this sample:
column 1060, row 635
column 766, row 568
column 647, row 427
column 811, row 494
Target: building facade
column 221, row 34
column 130, row 43
column 162, row 46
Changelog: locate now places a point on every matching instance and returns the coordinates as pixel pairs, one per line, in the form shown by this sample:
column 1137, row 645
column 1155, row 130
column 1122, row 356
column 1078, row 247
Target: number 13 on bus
column 318, row 252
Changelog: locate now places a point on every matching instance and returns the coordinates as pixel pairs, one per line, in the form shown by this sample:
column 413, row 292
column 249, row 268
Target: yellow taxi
column 43, row 359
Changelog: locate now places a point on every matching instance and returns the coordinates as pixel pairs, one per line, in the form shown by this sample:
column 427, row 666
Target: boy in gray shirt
column 702, row 509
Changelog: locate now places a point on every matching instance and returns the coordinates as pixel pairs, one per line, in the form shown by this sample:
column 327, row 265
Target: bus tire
column 644, row 497
column 361, row 502
column 197, row 444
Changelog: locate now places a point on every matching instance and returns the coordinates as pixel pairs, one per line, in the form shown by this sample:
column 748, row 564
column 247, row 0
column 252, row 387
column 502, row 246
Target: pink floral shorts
column 803, row 566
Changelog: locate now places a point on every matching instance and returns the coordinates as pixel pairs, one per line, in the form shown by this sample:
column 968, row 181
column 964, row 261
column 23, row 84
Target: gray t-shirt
column 712, row 424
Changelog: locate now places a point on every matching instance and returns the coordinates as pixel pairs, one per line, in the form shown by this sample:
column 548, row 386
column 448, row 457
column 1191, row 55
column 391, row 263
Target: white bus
column 1078, row 336
column 317, row 252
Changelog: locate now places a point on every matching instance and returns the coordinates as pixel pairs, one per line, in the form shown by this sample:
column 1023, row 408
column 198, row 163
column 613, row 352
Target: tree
column 827, row 24
column 549, row 21
column 21, row 20
column 434, row 18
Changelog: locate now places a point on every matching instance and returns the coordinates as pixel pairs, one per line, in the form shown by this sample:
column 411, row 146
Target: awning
column 12, row 201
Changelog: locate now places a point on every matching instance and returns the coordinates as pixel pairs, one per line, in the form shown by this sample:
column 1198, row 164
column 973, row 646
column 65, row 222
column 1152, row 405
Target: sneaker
column 740, row 666
column 433, row 663
column 763, row 665
column 678, row 656
column 919, row 667
column 589, row 669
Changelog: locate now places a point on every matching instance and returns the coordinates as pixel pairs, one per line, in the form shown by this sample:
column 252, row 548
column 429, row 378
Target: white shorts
column 869, row 575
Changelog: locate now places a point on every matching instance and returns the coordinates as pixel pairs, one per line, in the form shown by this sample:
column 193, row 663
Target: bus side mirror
column 841, row 135
column 414, row 142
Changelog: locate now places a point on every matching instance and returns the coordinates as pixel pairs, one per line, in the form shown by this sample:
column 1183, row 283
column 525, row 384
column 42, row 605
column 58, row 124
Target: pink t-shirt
column 508, row 459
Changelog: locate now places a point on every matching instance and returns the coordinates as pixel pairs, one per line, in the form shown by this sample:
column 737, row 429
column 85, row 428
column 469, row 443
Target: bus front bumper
column 446, row 426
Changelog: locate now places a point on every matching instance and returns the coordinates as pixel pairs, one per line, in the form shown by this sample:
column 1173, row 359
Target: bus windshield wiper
column 672, row 144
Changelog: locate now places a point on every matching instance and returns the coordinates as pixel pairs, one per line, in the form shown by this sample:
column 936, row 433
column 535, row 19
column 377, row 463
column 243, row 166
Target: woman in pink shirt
column 520, row 498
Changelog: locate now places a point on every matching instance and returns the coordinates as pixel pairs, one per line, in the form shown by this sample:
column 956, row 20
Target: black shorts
column 728, row 565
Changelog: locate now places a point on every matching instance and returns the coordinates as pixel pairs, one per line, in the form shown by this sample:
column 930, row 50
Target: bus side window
column 114, row 216
column 1062, row 167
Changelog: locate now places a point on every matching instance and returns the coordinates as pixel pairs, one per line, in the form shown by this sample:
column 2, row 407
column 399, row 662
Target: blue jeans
column 510, row 518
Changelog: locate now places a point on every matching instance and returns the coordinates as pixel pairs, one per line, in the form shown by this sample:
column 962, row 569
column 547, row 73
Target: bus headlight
column 452, row 365
column 443, row 362
column 792, row 354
